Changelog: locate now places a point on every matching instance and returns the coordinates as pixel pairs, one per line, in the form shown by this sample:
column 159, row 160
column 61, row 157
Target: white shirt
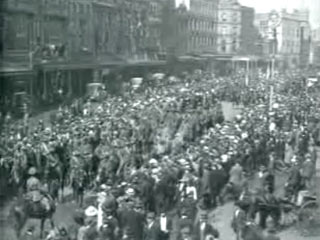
column 193, row 190
column 99, row 217
column 203, row 226
column 163, row 224
column 150, row 225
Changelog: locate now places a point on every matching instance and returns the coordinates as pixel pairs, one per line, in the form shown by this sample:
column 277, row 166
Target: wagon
column 308, row 217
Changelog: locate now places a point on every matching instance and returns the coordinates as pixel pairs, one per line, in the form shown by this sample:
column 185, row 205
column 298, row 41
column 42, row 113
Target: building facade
column 229, row 27
column 249, row 38
column 194, row 27
column 315, row 49
column 292, row 35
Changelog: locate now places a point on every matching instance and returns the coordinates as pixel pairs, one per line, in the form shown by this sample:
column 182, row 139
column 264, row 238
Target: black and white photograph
column 160, row 120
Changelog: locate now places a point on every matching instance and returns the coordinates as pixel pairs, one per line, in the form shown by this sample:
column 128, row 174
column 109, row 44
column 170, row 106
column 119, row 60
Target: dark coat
column 208, row 230
column 133, row 221
column 153, row 233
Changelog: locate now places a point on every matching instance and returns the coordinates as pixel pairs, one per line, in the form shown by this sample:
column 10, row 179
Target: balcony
column 27, row 6
column 56, row 8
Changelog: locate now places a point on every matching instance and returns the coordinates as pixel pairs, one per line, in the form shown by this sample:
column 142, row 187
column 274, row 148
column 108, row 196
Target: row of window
column 208, row 8
column 228, row 30
column 201, row 25
column 291, row 46
column 200, row 41
column 227, row 47
column 80, row 8
column 292, row 32
column 230, row 16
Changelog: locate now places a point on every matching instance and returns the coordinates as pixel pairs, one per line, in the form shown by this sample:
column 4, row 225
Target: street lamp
column 274, row 22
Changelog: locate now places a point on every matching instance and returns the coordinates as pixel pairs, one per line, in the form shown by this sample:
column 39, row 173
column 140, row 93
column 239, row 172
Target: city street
column 173, row 106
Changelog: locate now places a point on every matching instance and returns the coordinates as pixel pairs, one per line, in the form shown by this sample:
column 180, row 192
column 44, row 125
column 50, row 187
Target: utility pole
column 274, row 21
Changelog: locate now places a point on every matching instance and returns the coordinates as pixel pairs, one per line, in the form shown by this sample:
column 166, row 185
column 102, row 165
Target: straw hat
column 32, row 171
column 91, row 211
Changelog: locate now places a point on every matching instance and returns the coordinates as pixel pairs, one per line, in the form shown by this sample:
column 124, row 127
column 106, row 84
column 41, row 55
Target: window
column 224, row 17
column 224, row 30
column 234, row 45
column 223, row 46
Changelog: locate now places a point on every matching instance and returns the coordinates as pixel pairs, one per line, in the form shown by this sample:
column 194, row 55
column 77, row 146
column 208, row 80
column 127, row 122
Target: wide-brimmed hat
column 32, row 171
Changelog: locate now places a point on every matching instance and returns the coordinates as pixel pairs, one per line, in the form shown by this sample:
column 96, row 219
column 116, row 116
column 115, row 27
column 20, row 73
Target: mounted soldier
column 35, row 192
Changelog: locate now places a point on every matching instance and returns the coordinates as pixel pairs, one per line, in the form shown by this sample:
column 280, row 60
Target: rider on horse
column 35, row 192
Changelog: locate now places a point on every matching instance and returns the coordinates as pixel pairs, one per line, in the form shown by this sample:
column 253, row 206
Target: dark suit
column 133, row 221
column 208, row 230
column 153, row 232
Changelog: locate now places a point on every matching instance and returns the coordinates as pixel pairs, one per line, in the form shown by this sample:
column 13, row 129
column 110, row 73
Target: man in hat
column 131, row 220
column 203, row 229
column 152, row 229
column 307, row 171
column 34, row 189
column 294, row 179
column 236, row 178
column 89, row 230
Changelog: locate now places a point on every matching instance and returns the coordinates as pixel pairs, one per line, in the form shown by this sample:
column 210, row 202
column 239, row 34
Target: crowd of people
column 157, row 160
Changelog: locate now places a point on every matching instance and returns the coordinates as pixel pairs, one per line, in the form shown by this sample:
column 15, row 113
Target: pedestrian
column 236, row 178
column 203, row 230
column 307, row 171
column 152, row 229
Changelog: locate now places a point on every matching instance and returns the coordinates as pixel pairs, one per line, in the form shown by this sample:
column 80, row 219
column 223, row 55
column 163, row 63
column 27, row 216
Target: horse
column 24, row 209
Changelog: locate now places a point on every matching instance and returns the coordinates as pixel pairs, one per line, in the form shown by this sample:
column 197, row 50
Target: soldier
column 34, row 189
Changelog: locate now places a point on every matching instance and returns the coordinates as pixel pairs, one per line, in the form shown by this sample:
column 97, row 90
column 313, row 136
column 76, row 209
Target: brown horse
column 23, row 209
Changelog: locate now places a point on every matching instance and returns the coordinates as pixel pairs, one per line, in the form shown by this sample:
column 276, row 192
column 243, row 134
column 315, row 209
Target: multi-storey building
column 194, row 27
column 291, row 35
column 315, row 49
column 229, row 27
column 20, row 31
column 80, row 28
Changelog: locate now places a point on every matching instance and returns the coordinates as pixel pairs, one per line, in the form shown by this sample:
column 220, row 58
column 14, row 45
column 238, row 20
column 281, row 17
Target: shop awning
column 146, row 63
column 18, row 70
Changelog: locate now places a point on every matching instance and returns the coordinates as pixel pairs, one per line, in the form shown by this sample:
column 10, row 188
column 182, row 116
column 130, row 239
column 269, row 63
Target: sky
column 267, row 5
